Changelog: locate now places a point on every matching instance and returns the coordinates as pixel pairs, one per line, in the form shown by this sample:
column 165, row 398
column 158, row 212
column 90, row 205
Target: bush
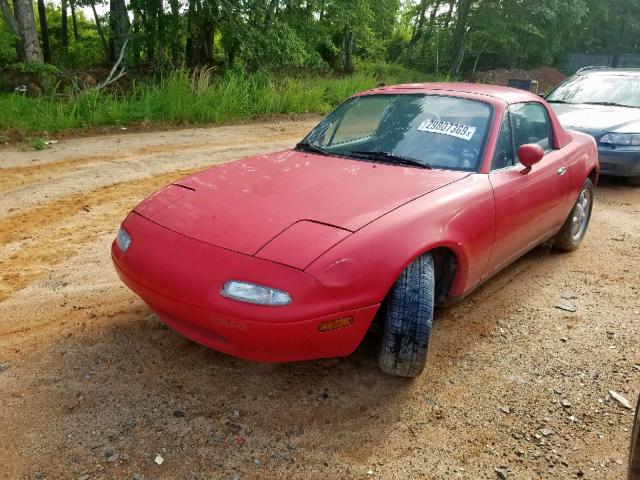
column 38, row 77
column 194, row 97
column 7, row 45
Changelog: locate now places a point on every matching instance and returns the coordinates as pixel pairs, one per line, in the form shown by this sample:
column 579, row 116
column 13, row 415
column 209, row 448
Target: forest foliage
column 290, row 36
column 263, row 49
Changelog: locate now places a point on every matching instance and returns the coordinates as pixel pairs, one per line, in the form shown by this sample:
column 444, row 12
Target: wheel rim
column 581, row 215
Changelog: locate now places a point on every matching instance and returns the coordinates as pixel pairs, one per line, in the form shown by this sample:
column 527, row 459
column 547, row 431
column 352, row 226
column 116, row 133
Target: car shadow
column 128, row 384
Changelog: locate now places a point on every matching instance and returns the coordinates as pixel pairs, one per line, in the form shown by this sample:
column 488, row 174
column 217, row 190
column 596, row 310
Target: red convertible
column 403, row 198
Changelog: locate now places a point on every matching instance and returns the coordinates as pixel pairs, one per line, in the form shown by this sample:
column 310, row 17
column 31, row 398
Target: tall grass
column 189, row 98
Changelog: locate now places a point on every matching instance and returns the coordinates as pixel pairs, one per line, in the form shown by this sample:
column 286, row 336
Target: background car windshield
column 444, row 132
column 598, row 88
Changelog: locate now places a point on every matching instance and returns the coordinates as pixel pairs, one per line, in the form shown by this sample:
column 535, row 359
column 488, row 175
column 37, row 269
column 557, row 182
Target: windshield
column 422, row 130
column 621, row 90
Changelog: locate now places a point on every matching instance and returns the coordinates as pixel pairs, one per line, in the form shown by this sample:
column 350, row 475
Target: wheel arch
column 593, row 175
column 447, row 269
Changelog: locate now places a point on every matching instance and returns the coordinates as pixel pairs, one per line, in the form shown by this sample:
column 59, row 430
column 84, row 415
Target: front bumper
column 180, row 279
column 619, row 161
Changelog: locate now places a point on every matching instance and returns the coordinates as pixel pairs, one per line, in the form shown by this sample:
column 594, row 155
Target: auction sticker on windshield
column 452, row 129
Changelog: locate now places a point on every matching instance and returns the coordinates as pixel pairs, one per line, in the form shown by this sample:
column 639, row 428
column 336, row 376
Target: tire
column 635, row 181
column 572, row 233
column 634, row 452
column 407, row 326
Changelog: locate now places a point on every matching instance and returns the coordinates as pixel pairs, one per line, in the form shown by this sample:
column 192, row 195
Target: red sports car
column 403, row 198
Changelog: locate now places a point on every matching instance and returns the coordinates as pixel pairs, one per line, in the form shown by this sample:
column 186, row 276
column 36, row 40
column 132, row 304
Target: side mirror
column 529, row 154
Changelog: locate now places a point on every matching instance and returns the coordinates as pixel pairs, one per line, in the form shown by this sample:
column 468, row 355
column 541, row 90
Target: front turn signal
column 335, row 323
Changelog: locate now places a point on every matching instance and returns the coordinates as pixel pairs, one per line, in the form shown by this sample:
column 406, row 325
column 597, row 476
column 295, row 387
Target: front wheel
column 634, row 452
column 403, row 349
column 575, row 226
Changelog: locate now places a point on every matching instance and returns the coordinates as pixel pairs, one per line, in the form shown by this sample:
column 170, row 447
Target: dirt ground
column 93, row 386
column 547, row 77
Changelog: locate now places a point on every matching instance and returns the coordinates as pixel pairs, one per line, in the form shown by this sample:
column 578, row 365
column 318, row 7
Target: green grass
column 192, row 98
column 38, row 143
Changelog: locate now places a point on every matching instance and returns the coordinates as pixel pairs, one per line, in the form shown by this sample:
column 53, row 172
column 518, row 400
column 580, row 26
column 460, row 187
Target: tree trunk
column 64, row 25
column 28, row 34
column 200, row 32
column 176, row 41
column 105, row 45
column 348, row 40
column 422, row 16
column 417, row 31
column 44, row 31
column 119, row 25
column 447, row 19
column 136, row 49
column 7, row 14
column 434, row 12
column 268, row 17
column 475, row 65
column 231, row 55
column 622, row 37
column 74, row 20
column 457, row 44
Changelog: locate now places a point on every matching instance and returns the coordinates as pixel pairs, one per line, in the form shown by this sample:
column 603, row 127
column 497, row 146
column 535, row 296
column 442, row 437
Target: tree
column 44, row 31
column 22, row 23
column 457, row 44
column 64, row 30
column 201, row 18
column 103, row 39
column 119, row 25
column 74, row 21
column 12, row 23
column 348, row 43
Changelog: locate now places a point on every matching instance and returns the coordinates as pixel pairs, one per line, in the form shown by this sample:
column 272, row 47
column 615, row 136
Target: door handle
column 561, row 171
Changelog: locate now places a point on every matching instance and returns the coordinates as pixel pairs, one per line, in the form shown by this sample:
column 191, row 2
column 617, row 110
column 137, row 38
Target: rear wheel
column 403, row 349
column 575, row 226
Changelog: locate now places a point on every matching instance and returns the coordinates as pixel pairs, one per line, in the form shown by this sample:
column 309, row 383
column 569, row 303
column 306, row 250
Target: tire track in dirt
column 48, row 236
column 43, row 232
column 15, row 177
column 92, row 371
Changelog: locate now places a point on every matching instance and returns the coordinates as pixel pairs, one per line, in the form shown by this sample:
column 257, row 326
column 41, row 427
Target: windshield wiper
column 390, row 158
column 560, row 101
column 307, row 147
column 609, row 104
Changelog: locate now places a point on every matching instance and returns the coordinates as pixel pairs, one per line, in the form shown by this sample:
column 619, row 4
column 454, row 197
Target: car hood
column 598, row 119
column 246, row 204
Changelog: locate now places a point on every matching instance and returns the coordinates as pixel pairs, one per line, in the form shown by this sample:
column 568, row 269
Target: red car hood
column 244, row 205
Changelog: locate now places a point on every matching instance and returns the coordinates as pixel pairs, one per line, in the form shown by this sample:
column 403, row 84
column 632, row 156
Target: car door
column 529, row 204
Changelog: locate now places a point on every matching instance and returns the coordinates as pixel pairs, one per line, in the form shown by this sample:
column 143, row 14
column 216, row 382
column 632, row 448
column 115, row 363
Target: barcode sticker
column 458, row 130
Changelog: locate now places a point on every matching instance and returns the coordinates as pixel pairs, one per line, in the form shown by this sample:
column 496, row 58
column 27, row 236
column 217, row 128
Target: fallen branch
column 110, row 78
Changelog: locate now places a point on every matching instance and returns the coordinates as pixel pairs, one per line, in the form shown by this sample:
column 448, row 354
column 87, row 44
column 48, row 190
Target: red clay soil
column 547, row 77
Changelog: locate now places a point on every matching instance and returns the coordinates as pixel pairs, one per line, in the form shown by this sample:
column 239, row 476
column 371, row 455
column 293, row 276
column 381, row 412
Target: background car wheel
column 403, row 349
column 575, row 227
column 634, row 453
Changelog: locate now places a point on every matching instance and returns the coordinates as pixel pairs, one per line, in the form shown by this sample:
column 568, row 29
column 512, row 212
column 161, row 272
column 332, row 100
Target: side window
column 503, row 156
column 530, row 124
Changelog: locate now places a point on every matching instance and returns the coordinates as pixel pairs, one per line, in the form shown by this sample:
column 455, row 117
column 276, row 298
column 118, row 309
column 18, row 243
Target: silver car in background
column 605, row 103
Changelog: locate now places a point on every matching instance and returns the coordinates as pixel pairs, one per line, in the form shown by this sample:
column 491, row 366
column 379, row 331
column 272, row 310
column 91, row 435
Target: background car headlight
column 252, row 293
column 123, row 239
column 621, row 139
